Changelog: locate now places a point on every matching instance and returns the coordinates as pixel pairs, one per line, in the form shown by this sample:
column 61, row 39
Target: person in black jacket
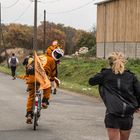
column 120, row 91
column 26, row 61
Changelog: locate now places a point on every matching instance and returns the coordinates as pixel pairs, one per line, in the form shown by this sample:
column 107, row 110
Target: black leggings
column 13, row 70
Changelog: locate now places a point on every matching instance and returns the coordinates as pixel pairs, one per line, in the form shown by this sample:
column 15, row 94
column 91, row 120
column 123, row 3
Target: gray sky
column 80, row 14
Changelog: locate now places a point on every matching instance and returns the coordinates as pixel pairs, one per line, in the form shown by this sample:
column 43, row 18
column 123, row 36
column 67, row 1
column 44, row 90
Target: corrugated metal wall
column 118, row 22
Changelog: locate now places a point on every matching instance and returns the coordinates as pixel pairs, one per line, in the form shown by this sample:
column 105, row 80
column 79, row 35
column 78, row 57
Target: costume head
column 57, row 53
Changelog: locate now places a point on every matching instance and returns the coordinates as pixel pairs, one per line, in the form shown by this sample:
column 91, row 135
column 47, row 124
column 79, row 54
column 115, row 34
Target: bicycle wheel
column 35, row 121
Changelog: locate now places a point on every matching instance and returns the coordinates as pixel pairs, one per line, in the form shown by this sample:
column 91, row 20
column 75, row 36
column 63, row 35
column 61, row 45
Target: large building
column 118, row 27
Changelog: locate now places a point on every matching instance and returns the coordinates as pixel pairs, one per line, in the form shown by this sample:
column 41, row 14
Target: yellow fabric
column 40, row 73
column 43, row 59
column 30, row 60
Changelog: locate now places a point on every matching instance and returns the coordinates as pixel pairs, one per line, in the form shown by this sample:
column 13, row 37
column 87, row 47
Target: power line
column 74, row 9
column 12, row 4
column 23, row 12
column 40, row 16
column 52, row 1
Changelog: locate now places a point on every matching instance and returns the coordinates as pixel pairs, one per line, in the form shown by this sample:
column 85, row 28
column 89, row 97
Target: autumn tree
column 17, row 35
column 52, row 33
column 87, row 39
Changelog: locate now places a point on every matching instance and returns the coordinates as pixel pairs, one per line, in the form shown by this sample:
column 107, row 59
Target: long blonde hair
column 117, row 62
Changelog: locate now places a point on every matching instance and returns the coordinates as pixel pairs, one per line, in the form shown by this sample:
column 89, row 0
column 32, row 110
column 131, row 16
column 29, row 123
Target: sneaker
column 45, row 103
column 14, row 78
column 44, row 106
column 29, row 116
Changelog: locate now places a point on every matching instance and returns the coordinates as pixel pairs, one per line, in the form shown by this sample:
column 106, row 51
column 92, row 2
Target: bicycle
column 37, row 109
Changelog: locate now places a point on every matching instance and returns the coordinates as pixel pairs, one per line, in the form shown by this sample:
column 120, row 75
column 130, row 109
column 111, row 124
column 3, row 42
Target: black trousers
column 13, row 70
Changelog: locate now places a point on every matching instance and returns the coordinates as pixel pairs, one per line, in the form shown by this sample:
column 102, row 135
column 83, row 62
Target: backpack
column 30, row 66
column 13, row 61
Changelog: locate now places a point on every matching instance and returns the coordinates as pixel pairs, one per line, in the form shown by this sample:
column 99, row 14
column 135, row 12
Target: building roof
column 103, row 1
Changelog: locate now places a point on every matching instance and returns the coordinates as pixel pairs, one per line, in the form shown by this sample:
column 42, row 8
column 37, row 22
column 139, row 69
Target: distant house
column 118, row 27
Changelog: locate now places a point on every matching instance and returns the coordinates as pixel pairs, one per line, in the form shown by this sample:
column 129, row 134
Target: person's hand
column 58, row 61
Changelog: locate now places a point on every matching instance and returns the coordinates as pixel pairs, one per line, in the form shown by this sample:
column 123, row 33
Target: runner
column 120, row 91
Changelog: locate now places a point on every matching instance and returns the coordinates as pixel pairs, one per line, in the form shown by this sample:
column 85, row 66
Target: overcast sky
column 80, row 14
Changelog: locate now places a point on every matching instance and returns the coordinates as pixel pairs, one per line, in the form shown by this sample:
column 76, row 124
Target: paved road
column 70, row 116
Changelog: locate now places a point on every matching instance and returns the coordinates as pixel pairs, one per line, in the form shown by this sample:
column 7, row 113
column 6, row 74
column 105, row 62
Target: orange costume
column 54, row 45
column 49, row 66
column 49, row 51
column 51, row 72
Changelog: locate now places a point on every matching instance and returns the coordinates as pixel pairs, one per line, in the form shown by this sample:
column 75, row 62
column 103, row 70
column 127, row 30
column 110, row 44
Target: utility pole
column 35, row 34
column 2, row 39
column 0, row 26
column 44, row 46
column 35, row 26
column 6, row 54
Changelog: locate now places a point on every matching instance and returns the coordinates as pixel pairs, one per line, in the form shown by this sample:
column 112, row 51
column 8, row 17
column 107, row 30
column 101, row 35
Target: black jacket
column 120, row 92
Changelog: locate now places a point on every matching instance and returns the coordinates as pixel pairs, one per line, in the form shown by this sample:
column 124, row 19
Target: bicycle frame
column 37, row 101
column 37, row 108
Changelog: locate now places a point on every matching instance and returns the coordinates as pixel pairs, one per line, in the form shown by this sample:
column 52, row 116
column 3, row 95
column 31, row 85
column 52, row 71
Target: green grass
column 134, row 66
column 79, row 70
column 74, row 73
column 91, row 91
column 4, row 68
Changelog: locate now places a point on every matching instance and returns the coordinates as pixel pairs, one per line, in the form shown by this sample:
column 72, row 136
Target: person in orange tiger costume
column 49, row 51
column 49, row 64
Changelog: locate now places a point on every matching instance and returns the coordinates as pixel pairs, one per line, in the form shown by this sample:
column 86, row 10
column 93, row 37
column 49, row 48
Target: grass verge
column 74, row 73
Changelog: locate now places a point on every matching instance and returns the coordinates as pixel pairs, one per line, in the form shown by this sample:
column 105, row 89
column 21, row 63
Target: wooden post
column 44, row 46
